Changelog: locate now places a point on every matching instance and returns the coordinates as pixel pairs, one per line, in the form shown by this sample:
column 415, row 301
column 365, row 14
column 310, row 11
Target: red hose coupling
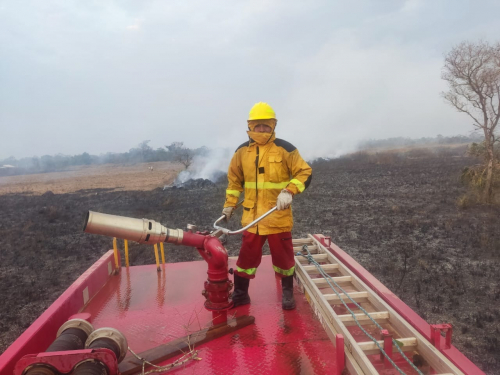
column 217, row 295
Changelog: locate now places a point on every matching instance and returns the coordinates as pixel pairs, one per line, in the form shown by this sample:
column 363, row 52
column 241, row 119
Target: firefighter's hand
column 284, row 200
column 228, row 212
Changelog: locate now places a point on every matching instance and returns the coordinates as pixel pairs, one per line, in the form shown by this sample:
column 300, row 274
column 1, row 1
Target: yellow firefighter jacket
column 262, row 171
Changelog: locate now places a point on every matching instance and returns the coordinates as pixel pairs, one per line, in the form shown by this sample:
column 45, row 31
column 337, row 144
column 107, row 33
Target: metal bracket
column 217, row 233
column 387, row 339
column 436, row 330
column 325, row 239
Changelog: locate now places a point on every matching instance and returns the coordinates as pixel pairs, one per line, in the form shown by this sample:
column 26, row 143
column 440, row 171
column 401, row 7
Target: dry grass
column 107, row 176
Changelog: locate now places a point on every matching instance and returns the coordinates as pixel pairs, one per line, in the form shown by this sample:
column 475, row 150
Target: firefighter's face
column 261, row 128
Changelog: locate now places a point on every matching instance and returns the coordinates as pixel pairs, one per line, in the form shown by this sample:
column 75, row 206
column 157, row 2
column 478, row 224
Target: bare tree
column 185, row 157
column 181, row 154
column 472, row 71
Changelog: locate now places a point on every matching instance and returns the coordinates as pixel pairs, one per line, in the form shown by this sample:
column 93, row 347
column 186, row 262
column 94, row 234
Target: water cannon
column 146, row 231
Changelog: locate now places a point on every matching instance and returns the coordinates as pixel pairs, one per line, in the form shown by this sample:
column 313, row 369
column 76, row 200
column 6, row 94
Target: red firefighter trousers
column 250, row 256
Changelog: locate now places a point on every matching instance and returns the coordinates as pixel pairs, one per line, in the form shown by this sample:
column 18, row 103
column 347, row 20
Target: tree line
column 142, row 153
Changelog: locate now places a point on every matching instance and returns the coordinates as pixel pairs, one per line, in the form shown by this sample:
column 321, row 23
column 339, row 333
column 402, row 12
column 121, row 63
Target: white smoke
column 209, row 166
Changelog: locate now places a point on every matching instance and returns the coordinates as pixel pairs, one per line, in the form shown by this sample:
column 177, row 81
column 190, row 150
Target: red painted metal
column 217, row 295
column 328, row 240
column 83, row 316
column 217, row 286
column 340, row 351
column 151, row 309
column 452, row 353
column 43, row 331
column 436, row 330
column 193, row 239
column 65, row 361
column 387, row 339
column 216, row 256
column 219, row 317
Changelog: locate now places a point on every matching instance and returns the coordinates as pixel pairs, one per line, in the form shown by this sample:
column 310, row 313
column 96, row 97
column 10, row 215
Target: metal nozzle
column 139, row 230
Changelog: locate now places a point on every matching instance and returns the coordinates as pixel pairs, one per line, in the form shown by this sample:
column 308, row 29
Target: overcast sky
column 101, row 76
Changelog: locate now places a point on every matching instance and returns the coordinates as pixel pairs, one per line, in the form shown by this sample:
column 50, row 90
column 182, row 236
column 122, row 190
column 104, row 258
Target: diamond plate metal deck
column 152, row 308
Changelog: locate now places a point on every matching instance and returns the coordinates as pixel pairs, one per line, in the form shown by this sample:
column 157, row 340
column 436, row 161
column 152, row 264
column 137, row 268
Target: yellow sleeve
column 301, row 173
column 235, row 181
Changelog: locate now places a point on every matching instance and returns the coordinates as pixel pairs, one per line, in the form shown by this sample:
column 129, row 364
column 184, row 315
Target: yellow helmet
column 261, row 111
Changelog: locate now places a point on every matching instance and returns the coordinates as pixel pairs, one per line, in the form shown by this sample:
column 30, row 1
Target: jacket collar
column 270, row 141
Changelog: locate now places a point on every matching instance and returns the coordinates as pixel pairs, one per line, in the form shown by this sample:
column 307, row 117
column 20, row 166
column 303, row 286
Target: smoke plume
column 211, row 166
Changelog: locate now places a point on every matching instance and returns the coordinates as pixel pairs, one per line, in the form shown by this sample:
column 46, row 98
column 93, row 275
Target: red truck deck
column 151, row 308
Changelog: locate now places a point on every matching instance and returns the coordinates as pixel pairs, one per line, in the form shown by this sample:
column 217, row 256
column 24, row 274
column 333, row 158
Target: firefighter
column 270, row 171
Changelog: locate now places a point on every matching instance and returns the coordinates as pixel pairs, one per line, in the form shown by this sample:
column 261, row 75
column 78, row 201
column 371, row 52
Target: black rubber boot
column 240, row 295
column 287, row 302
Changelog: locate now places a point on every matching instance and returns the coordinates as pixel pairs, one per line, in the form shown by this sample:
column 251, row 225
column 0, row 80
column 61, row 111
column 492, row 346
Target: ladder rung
column 379, row 316
column 342, row 280
column 325, row 267
column 369, row 347
column 316, row 257
column 356, row 296
column 312, row 248
column 302, row 241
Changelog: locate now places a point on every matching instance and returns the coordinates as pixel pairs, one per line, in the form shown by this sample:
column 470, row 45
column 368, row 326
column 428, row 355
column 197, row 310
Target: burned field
column 399, row 219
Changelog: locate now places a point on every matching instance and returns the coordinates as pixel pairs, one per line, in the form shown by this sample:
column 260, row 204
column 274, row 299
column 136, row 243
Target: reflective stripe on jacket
column 262, row 171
